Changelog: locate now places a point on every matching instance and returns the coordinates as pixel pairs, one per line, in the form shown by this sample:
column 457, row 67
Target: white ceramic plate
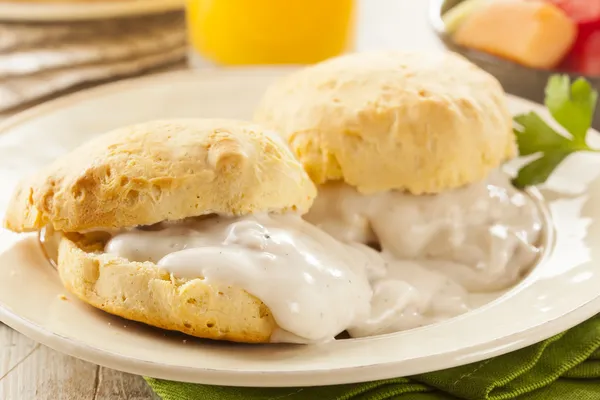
column 561, row 292
column 72, row 11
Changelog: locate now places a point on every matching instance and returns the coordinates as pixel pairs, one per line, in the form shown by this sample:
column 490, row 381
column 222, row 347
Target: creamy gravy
column 437, row 251
column 315, row 286
column 481, row 238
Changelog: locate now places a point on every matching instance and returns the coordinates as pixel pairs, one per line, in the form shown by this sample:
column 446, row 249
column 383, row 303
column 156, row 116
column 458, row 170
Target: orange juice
column 269, row 31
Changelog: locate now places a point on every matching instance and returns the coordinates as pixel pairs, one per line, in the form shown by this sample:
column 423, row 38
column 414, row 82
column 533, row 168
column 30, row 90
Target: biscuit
column 154, row 172
column 414, row 121
column 160, row 171
column 140, row 291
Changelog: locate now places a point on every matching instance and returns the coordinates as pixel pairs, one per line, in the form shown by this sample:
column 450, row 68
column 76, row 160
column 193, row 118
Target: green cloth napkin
column 566, row 366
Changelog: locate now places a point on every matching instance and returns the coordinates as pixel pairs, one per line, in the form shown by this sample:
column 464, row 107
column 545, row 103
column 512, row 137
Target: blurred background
column 52, row 47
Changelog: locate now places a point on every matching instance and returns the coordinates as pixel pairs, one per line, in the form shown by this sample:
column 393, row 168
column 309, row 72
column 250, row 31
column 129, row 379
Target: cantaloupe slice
column 532, row 33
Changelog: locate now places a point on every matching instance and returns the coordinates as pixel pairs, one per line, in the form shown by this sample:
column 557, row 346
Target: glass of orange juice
column 242, row 32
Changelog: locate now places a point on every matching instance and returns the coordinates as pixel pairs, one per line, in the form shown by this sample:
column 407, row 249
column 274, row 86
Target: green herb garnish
column 572, row 106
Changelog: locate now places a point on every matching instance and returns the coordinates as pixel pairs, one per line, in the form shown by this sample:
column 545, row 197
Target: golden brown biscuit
column 149, row 173
column 162, row 170
column 414, row 121
column 142, row 292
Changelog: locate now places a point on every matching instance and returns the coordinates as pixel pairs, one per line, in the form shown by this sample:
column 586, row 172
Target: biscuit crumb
column 63, row 297
column 184, row 341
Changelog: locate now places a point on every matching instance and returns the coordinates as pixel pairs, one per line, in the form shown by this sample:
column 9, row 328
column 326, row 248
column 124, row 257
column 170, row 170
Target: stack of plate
column 83, row 10
column 47, row 48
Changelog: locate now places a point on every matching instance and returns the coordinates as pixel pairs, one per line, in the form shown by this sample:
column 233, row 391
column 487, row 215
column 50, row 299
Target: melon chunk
column 532, row 33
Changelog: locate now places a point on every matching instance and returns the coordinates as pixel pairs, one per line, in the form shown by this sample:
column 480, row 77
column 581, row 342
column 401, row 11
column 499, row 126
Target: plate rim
column 89, row 353
column 107, row 88
column 86, row 352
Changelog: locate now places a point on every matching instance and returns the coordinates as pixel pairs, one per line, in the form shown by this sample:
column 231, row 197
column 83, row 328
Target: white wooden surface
column 30, row 371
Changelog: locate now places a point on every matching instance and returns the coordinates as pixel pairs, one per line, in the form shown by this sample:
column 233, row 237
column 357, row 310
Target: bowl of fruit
column 524, row 42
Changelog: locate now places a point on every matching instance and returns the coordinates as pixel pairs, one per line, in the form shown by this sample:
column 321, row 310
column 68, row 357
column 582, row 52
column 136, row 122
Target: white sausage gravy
column 436, row 251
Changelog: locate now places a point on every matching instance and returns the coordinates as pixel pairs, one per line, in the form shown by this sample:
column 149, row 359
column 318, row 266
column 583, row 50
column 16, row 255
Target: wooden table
column 31, row 371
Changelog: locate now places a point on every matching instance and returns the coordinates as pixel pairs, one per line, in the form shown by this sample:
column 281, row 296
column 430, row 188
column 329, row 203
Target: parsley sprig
column 572, row 106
